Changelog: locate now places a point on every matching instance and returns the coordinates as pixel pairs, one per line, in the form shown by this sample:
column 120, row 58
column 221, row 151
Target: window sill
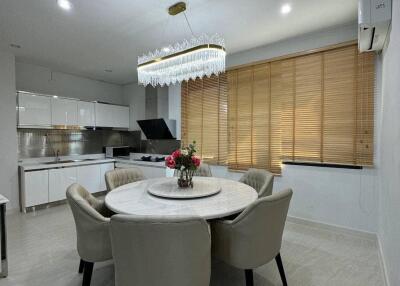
column 325, row 165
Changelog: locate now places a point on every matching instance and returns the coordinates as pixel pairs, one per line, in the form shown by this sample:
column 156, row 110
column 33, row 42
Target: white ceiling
column 111, row 34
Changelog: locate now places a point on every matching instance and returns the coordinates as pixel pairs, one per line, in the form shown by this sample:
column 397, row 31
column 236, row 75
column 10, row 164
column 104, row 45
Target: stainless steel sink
column 67, row 161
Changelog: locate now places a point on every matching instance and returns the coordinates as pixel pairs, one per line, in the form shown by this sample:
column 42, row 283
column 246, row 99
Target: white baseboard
column 383, row 262
column 333, row 227
column 359, row 233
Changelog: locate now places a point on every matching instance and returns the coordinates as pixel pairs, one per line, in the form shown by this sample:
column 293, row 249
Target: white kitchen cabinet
column 86, row 113
column 64, row 112
column 35, row 188
column 109, row 115
column 89, row 177
column 153, row 172
column 59, row 181
column 121, row 116
column 103, row 115
column 104, row 168
column 33, row 110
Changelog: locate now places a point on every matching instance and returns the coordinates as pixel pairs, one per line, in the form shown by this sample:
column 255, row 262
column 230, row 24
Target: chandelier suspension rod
column 187, row 21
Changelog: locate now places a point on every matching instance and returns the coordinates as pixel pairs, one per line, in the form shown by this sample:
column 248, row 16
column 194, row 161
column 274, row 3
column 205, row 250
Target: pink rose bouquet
column 186, row 163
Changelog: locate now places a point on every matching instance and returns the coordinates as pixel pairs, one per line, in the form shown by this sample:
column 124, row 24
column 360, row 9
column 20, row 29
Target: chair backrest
column 160, row 251
column 119, row 177
column 204, row 170
column 92, row 225
column 261, row 180
column 258, row 230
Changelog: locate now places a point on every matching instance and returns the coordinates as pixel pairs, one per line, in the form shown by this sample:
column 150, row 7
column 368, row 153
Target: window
column 311, row 108
column 316, row 107
column 204, row 117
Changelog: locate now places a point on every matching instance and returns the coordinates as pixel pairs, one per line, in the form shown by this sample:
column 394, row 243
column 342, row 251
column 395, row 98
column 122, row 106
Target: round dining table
column 135, row 199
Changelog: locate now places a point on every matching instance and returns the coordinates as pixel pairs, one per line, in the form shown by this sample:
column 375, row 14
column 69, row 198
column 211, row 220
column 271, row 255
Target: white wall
column 40, row 79
column 389, row 153
column 134, row 95
column 174, row 106
column 168, row 104
column 341, row 197
column 8, row 138
column 162, row 102
column 296, row 44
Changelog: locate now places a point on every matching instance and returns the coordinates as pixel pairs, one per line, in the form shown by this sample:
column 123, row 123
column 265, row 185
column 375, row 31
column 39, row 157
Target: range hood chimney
column 157, row 124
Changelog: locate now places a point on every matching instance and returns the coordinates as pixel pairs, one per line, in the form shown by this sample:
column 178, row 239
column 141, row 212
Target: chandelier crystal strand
column 202, row 56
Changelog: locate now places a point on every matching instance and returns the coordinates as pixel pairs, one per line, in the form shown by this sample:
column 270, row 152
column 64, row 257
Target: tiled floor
column 42, row 253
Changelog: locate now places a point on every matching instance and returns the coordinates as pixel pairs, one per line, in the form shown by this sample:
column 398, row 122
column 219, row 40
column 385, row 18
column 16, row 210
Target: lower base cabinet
column 148, row 171
column 59, row 181
column 104, row 168
column 35, row 188
column 89, row 177
column 46, row 186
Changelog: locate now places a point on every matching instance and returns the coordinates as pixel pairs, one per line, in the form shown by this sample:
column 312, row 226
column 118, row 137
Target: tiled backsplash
column 33, row 143
column 46, row 142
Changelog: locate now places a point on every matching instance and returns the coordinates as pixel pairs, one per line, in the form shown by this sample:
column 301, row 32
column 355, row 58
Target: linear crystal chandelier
column 197, row 57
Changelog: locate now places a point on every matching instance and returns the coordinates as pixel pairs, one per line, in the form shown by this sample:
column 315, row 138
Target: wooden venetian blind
column 204, row 117
column 311, row 108
column 332, row 108
column 254, row 140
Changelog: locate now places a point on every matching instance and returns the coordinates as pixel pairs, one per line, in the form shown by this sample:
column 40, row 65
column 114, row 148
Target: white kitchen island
column 150, row 169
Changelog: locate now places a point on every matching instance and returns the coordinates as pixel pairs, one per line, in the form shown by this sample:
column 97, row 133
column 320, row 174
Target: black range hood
column 158, row 128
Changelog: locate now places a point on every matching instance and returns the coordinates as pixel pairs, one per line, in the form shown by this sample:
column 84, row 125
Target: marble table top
column 202, row 187
column 134, row 199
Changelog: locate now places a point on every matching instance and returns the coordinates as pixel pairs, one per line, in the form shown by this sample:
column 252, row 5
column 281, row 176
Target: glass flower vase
column 185, row 178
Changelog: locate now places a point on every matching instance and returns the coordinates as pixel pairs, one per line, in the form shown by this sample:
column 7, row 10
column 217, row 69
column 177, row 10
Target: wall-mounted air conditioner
column 374, row 17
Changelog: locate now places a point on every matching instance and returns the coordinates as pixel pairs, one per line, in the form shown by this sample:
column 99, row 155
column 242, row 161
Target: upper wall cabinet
column 121, row 116
column 64, row 112
column 86, row 114
column 45, row 111
column 108, row 115
column 34, row 110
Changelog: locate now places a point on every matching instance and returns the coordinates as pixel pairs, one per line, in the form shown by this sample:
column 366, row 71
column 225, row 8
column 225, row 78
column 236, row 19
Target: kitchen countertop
column 140, row 162
column 134, row 159
column 40, row 163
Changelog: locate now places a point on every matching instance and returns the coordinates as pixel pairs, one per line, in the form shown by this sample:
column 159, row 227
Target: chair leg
column 278, row 260
column 81, row 266
column 249, row 277
column 87, row 273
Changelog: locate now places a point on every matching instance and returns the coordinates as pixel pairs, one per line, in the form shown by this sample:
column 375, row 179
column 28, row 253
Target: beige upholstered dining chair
column 254, row 237
column 161, row 251
column 119, row 177
column 92, row 228
column 262, row 181
column 204, row 170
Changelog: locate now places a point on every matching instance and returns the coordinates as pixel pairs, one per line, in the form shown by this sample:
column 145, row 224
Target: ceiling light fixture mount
column 177, row 8
column 197, row 57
